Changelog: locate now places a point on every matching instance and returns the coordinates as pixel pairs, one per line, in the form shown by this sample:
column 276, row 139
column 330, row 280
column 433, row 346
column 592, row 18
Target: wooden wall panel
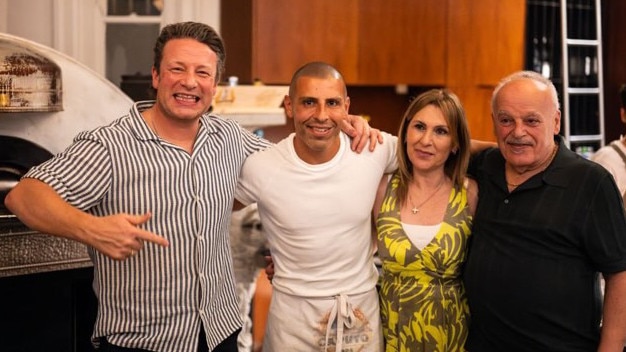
column 614, row 58
column 402, row 41
column 485, row 43
column 500, row 39
column 236, row 31
column 477, row 104
column 461, row 44
column 285, row 39
column 465, row 45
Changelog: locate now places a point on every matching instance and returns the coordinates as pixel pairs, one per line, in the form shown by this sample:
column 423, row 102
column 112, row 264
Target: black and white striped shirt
column 157, row 299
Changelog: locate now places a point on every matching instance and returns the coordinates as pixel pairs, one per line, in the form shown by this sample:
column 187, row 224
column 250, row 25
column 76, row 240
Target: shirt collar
column 144, row 132
column 139, row 125
column 555, row 174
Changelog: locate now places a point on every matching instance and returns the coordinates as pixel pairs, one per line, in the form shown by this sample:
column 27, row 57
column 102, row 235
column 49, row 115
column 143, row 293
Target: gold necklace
column 415, row 209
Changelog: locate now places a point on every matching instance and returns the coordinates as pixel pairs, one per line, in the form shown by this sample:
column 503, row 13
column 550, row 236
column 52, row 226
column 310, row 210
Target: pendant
column 414, row 210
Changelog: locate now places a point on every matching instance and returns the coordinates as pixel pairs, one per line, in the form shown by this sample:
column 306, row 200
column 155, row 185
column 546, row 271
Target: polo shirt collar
column 555, row 174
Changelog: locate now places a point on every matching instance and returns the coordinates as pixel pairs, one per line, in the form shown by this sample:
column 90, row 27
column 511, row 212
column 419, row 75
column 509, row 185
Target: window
column 132, row 26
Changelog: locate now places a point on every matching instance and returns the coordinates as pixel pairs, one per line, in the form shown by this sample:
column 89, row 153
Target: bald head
column 316, row 70
column 526, row 75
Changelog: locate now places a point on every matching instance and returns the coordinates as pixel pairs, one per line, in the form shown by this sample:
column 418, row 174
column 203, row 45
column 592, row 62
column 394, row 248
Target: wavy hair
column 193, row 30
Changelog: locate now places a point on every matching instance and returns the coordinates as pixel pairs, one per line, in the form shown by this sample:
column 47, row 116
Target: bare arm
column 380, row 194
column 477, row 146
column 116, row 236
column 613, row 337
column 378, row 201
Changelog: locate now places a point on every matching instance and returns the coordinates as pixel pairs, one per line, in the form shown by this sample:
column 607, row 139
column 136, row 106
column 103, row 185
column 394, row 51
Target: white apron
column 305, row 324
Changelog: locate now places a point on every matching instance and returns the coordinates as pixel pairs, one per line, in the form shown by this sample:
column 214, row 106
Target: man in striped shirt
column 151, row 196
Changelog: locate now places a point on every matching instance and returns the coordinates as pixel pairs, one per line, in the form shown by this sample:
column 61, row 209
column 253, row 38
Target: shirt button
column 506, row 201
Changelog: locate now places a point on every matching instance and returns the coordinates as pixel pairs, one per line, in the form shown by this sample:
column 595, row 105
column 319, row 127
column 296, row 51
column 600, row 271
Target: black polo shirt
column 532, row 271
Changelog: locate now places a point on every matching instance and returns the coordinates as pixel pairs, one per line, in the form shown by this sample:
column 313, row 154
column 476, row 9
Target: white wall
column 76, row 27
column 30, row 19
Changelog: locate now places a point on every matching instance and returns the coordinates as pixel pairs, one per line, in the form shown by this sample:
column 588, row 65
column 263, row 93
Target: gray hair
column 532, row 75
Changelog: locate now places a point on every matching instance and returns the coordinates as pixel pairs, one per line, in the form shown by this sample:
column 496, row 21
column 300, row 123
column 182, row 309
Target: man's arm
column 38, row 206
column 613, row 337
column 361, row 133
column 477, row 146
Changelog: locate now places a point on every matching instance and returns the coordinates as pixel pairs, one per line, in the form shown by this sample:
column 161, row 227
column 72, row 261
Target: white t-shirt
column 613, row 162
column 317, row 218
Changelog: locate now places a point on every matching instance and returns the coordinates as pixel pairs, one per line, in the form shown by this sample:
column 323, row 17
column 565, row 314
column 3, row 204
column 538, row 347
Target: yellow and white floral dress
column 422, row 298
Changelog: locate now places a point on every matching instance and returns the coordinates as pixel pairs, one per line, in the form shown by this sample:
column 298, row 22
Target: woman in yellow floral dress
column 424, row 217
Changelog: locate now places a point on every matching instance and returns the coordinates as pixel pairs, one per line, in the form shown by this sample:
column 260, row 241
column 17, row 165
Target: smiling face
column 317, row 106
column 186, row 81
column 428, row 140
column 526, row 119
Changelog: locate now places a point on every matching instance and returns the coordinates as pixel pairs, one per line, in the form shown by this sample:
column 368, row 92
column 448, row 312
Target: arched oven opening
column 17, row 156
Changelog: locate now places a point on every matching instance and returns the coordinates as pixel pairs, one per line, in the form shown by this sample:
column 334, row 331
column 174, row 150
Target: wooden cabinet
column 401, row 42
column 485, row 43
column 485, row 40
column 465, row 45
column 372, row 42
column 286, row 34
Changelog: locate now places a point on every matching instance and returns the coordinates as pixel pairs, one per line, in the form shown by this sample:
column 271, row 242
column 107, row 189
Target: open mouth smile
column 186, row 98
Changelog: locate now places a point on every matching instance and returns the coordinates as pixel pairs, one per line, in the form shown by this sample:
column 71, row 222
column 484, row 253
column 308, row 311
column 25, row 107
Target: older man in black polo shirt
column 548, row 223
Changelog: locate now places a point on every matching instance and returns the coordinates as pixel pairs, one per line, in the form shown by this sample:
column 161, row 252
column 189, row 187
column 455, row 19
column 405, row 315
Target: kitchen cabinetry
column 372, row 42
column 465, row 45
column 269, row 39
column 400, row 42
column 485, row 43
column 485, row 40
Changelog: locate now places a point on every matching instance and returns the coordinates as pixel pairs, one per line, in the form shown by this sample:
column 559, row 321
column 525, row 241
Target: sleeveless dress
column 422, row 298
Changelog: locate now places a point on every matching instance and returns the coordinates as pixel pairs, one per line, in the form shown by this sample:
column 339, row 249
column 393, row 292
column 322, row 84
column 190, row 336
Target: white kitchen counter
column 253, row 106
